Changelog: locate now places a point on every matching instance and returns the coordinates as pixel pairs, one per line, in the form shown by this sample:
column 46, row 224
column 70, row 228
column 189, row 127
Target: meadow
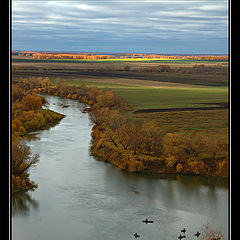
column 145, row 98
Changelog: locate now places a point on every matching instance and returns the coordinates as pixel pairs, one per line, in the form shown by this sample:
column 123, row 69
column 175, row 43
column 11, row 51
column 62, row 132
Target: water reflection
column 32, row 136
column 22, row 203
column 188, row 180
column 187, row 192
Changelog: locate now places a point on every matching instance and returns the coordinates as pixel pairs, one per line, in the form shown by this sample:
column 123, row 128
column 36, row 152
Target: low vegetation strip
column 220, row 106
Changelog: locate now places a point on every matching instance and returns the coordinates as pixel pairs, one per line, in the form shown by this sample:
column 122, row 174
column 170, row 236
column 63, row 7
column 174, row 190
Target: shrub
column 31, row 102
column 179, row 167
column 170, row 161
column 196, row 167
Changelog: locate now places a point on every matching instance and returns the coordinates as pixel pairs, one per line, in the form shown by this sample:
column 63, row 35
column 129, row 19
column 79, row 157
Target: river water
column 79, row 198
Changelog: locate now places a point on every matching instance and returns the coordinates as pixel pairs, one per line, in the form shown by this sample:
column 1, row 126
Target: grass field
column 149, row 94
column 143, row 98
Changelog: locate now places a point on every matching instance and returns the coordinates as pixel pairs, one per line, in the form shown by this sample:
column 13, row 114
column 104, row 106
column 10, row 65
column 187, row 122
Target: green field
column 161, row 97
column 165, row 97
column 143, row 98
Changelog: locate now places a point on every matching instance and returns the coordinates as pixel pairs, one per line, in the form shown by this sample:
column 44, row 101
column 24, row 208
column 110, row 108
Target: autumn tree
column 108, row 99
column 31, row 102
column 28, row 84
column 82, row 90
column 194, row 144
column 170, row 161
column 152, row 139
column 17, row 93
column 117, row 129
column 125, row 136
column 196, row 167
column 150, row 134
column 61, row 84
column 222, row 168
column 173, row 145
column 134, row 133
column 22, row 158
column 44, row 82
column 98, row 116
column 214, row 147
column 93, row 93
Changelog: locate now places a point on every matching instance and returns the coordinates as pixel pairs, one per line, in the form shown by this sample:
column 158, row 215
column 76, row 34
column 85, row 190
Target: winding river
column 79, row 198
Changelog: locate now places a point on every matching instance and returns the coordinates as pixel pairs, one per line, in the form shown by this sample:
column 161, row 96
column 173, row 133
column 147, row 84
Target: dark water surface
column 79, row 198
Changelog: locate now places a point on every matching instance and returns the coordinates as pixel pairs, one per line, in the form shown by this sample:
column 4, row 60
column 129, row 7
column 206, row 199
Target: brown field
column 127, row 73
column 75, row 78
column 211, row 122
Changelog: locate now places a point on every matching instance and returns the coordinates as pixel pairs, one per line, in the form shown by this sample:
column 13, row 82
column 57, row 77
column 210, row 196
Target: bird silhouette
column 180, row 237
column 183, row 230
column 136, row 235
column 197, row 234
column 147, row 221
column 65, row 106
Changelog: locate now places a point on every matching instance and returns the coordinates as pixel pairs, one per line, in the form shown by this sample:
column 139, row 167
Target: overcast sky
column 155, row 26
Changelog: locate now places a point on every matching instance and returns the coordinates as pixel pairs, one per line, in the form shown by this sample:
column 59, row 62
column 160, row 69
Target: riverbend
column 81, row 198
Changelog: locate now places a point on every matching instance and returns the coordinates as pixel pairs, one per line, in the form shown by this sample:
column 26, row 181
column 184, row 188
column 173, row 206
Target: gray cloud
column 121, row 25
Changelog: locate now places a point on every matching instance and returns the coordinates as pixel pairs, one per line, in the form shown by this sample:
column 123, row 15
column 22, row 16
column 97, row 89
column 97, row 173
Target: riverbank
column 141, row 146
column 27, row 116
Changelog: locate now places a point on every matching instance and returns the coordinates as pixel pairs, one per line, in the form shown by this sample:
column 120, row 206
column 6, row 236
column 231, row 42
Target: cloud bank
column 121, row 26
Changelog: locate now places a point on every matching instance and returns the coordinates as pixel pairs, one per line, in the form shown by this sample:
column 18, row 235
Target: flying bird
column 136, row 235
column 183, row 230
column 180, row 237
column 197, row 234
column 147, row 221
column 65, row 106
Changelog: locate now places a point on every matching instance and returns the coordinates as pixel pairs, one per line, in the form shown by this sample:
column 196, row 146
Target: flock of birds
column 197, row 234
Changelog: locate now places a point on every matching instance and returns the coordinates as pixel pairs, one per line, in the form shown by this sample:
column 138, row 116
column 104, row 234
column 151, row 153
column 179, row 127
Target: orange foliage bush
column 196, row 167
column 179, row 167
column 31, row 102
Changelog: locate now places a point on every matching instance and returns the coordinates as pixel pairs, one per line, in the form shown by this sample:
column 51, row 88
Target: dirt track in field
column 97, row 77
column 219, row 107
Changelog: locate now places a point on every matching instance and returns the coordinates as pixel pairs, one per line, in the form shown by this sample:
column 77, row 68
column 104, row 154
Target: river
column 79, row 198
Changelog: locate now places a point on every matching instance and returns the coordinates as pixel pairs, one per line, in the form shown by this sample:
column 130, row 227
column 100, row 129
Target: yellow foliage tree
column 31, row 102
